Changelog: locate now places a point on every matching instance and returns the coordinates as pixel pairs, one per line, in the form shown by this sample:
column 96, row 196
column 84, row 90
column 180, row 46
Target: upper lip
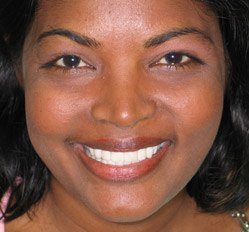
column 125, row 145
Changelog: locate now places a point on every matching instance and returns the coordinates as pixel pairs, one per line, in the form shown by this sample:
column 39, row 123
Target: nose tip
column 123, row 109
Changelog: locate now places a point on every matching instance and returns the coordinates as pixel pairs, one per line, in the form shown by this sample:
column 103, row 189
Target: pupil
column 71, row 61
column 174, row 58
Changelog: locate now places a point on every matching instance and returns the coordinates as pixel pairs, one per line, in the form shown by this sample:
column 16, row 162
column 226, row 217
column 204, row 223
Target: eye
column 174, row 59
column 177, row 61
column 70, row 61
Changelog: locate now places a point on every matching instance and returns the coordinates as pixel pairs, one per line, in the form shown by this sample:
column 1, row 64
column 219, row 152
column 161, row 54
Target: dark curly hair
column 221, row 183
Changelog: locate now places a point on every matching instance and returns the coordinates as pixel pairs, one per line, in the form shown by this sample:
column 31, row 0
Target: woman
column 124, row 115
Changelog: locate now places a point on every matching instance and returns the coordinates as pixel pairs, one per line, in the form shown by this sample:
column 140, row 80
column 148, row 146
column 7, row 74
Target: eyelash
column 172, row 66
column 52, row 64
column 175, row 66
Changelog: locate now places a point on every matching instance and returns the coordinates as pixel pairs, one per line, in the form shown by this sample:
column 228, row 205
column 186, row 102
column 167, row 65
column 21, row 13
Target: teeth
column 149, row 152
column 122, row 158
column 117, row 157
column 141, row 155
column 106, row 155
column 98, row 153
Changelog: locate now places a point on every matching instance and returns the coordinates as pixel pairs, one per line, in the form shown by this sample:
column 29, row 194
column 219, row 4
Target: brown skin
column 123, row 97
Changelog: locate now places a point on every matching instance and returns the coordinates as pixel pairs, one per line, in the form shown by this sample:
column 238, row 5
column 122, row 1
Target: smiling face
column 122, row 76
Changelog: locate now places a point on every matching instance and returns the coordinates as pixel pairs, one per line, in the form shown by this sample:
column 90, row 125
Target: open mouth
column 122, row 158
column 122, row 161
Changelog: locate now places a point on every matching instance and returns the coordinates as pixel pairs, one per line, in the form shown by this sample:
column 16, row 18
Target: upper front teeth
column 122, row 158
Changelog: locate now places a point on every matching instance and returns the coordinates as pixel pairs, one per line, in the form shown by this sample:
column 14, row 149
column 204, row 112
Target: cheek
column 51, row 115
column 200, row 113
column 50, row 112
column 197, row 119
column 195, row 108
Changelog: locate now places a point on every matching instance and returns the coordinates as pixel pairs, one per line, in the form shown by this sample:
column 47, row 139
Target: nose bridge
column 123, row 104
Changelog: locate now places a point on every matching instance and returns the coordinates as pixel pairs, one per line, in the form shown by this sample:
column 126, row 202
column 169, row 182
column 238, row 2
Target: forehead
column 134, row 17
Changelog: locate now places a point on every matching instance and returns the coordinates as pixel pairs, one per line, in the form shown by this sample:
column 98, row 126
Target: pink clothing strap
column 3, row 205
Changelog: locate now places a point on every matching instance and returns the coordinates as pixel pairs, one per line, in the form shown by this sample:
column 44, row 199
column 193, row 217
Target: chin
column 126, row 214
column 126, row 217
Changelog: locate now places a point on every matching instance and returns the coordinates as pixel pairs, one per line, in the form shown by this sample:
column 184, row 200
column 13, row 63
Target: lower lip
column 123, row 173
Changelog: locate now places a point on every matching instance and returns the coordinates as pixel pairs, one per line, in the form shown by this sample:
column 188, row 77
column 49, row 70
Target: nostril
column 123, row 114
column 126, row 120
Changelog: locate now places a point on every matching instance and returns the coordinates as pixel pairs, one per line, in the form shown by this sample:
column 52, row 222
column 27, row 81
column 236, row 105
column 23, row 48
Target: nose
column 123, row 105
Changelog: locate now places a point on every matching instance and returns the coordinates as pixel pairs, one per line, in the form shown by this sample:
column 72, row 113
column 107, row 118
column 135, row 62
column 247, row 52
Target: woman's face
column 122, row 76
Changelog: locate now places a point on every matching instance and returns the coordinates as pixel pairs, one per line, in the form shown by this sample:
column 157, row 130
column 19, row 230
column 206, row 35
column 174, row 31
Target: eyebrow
column 161, row 38
column 76, row 37
column 151, row 42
